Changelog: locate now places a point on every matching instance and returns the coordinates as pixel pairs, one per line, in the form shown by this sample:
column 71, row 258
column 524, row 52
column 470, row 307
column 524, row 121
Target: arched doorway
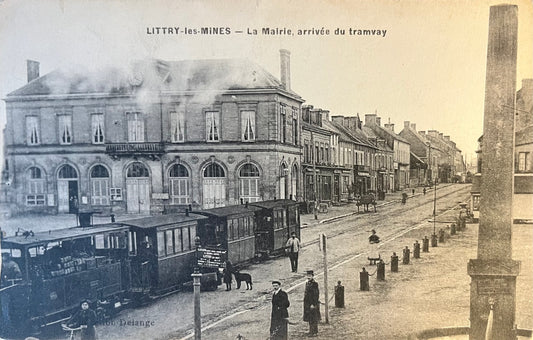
column 179, row 185
column 294, row 182
column 214, row 186
column 138, row 189
column 249, row 183
column 99, row 179
column 283, row 187
column 67, row 190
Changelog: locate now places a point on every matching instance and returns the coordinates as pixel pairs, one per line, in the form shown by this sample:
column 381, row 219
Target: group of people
column 279, row 320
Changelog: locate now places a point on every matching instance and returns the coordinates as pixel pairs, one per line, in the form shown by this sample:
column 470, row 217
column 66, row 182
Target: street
column 396, row 224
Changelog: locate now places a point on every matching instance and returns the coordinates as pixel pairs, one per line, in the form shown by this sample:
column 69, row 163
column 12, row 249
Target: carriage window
column 251, row 226
column 230, row 230
column 186, row 240
column 235, row 228
column 177, row 240
column 15, row 253
column 169, row 241
column 246, row 227
column 160, row 244
column 192, row 232
column 283, row 218
column 132, row 243
column 99, row 241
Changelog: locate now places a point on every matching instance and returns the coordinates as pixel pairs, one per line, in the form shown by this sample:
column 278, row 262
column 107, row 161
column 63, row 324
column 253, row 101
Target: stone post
column 494, row 272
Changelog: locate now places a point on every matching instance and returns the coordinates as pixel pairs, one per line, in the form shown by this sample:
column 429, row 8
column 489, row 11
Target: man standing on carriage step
column 280, row 316
column 292, row 248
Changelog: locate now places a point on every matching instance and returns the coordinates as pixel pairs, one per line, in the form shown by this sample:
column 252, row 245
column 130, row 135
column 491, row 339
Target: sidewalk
column 430, row 292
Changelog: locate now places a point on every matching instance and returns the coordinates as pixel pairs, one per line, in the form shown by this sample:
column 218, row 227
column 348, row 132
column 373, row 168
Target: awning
column 363, row 174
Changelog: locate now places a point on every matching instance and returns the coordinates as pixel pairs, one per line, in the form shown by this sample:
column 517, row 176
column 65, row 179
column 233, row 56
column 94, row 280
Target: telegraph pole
column 196, row 284
column 325, row 253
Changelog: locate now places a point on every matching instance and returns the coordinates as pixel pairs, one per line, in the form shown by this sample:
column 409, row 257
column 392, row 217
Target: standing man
column 293, row 247
column 280, row 316
column 311, row 304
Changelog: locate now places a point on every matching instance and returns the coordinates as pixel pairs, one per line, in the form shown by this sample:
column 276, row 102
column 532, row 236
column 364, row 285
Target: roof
column 524, row 136
column 229, row 210
column 390, row 133
column 358, row 135
column 185, row 75
column 163, row 220
column 274, row 203
column 63, row 234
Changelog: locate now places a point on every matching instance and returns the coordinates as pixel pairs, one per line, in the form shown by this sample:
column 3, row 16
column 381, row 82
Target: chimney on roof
column 378, row 121
column 32, row 67
column 433, row 133
column 413, row 126
column 325, row 114
column 370, row 119
column 423, row 133
column 285, row 68
column 441, row 135
column 389, row 126
column 406, row 123
column 447, row 138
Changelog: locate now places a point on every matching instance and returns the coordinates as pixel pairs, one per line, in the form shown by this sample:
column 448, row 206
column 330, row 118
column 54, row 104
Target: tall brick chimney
column 285, row 68
column 413, row 126
column 370, row 119
column 32, row 69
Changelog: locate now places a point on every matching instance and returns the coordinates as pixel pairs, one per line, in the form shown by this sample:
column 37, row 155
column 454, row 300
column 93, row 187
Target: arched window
column 179, row 185
column 214, row 186
column 214, row 170
column 249, row 183
column 35, row 189
column 67, row 172
column 138, row 170
column 99, row 185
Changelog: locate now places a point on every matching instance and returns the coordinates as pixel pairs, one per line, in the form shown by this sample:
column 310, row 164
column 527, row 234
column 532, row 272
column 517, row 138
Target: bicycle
column 72, row 331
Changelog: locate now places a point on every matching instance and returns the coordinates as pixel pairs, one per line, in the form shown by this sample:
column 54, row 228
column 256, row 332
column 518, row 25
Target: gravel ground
column 431, row 292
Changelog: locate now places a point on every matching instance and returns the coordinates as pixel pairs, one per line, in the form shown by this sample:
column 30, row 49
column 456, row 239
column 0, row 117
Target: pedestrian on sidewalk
column 279, row 318
column 226, row 275
column 293, row 248
column 424, row 191
column 311, row 304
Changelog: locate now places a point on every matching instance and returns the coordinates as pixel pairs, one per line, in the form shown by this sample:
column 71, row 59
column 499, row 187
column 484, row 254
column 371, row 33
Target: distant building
column 400, row 147
column 161, row 136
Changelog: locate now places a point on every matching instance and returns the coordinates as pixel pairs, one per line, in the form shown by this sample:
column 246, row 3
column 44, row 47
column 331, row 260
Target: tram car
column 164, row 252
column 276, row 221
column 231, row 228
column 56, row 269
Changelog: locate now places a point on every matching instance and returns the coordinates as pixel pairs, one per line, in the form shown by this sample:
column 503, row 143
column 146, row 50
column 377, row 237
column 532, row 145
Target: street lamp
column 434, row 236
column 196, row 284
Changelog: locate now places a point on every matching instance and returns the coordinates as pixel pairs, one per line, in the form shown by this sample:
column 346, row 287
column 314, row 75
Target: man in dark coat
column 280, row 316
column 311, row 304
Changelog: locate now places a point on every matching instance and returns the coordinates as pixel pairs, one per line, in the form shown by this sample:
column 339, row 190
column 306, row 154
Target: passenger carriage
column 164, row 252
column 276, row 220
column 59, row 268
column 231, row 228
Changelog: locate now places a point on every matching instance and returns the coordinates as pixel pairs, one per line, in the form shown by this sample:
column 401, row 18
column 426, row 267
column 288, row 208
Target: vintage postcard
column 266, row 169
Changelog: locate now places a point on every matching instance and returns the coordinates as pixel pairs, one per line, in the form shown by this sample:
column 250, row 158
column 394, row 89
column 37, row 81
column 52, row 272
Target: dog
column 239, row 277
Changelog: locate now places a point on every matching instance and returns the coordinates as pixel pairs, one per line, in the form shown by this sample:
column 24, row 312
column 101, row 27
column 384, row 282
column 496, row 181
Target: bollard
column 363, row 279
column 434, row 240
column 453, row 231
column 339, row 295
column 381, row 271
column 441, row 236
column 416, row 250
column 406, row 255
column 425, row 245
column 394, row 263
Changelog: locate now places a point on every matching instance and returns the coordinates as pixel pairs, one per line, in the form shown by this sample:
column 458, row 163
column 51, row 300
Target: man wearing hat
column 293, row 247
column 311, row 304
column 280, row 316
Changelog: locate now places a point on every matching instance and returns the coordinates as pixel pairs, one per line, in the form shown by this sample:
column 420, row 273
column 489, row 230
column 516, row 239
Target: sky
column 427, row 68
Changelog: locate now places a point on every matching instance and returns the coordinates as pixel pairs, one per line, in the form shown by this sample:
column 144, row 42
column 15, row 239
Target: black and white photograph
column 266, row 170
